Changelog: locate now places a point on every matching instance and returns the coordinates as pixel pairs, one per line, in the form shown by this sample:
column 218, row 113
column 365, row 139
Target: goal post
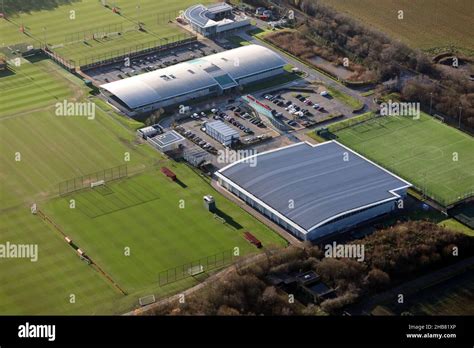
column 195, row 270
column 146, row 300
column 97, row 183
column 439, row 118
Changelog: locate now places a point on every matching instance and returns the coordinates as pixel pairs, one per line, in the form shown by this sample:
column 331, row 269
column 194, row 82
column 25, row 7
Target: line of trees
column 392, row 256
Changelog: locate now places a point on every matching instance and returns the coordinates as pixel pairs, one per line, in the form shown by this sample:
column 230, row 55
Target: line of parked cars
column 308, row 102
column 196, row 139
column 252, row 119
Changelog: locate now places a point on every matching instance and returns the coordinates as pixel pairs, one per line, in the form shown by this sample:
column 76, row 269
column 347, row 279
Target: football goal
column 196, row 270
column 439, row 118
column 146, row 300
column 97, row 183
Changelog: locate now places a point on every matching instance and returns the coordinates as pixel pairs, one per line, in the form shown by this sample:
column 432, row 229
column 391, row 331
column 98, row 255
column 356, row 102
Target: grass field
column 66, row 35
column 450, row 297
column 422, row 151
column 350, row 101
column 45, row 286
column 143, row 213
column 427, row 24
column 54, row 148
column 140, row 212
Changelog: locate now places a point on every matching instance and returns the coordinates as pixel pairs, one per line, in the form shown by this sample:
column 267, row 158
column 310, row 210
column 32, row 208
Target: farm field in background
column 427, row 24
column 421, row 151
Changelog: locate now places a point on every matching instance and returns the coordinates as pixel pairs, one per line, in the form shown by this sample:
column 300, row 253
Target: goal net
column 439, row 118
column 196, row 270
column 97, row 183
column 146, row 300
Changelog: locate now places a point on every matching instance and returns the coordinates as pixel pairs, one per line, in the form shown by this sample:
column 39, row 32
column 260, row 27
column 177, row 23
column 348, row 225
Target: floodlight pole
column 138, row 14
column 44, row 37
column 460, row 113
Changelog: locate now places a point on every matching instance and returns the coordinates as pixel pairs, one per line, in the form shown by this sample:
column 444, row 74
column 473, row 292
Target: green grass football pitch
column 54, row 148
column 66, row 34
column 141, row 216
column 436, row 158
column 164, row 224
column 46, row 286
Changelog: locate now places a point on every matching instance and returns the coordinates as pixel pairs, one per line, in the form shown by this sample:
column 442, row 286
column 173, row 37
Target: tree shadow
column 15, row 7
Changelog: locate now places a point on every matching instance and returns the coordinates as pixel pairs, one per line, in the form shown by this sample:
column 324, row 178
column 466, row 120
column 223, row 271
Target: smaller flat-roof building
column 314, row 191
column 167, row 141
column 196, row 156
column 223, row 133
column 147, row 132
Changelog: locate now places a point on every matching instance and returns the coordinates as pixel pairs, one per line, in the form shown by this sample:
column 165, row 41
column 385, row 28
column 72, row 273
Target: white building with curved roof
column 214, row 19
column 210, row 75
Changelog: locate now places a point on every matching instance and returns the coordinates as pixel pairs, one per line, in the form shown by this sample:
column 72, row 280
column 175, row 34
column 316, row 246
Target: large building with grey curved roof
column 314, row 191
column 211, row 75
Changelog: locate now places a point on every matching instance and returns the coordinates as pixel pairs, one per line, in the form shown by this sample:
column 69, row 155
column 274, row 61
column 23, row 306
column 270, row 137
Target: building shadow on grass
column 180, row 183
column 36, row 58
column 7, row 72
column 228, row 219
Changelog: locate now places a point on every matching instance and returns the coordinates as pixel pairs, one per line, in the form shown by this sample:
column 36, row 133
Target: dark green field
column 436, row 158
column 143, row 213
column 68, row 28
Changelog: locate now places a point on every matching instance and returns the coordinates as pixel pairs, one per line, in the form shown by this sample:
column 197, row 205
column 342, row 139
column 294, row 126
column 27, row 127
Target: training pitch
column 136, row 227
column 436, row 158
column 76, row 31
column 41, row 149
